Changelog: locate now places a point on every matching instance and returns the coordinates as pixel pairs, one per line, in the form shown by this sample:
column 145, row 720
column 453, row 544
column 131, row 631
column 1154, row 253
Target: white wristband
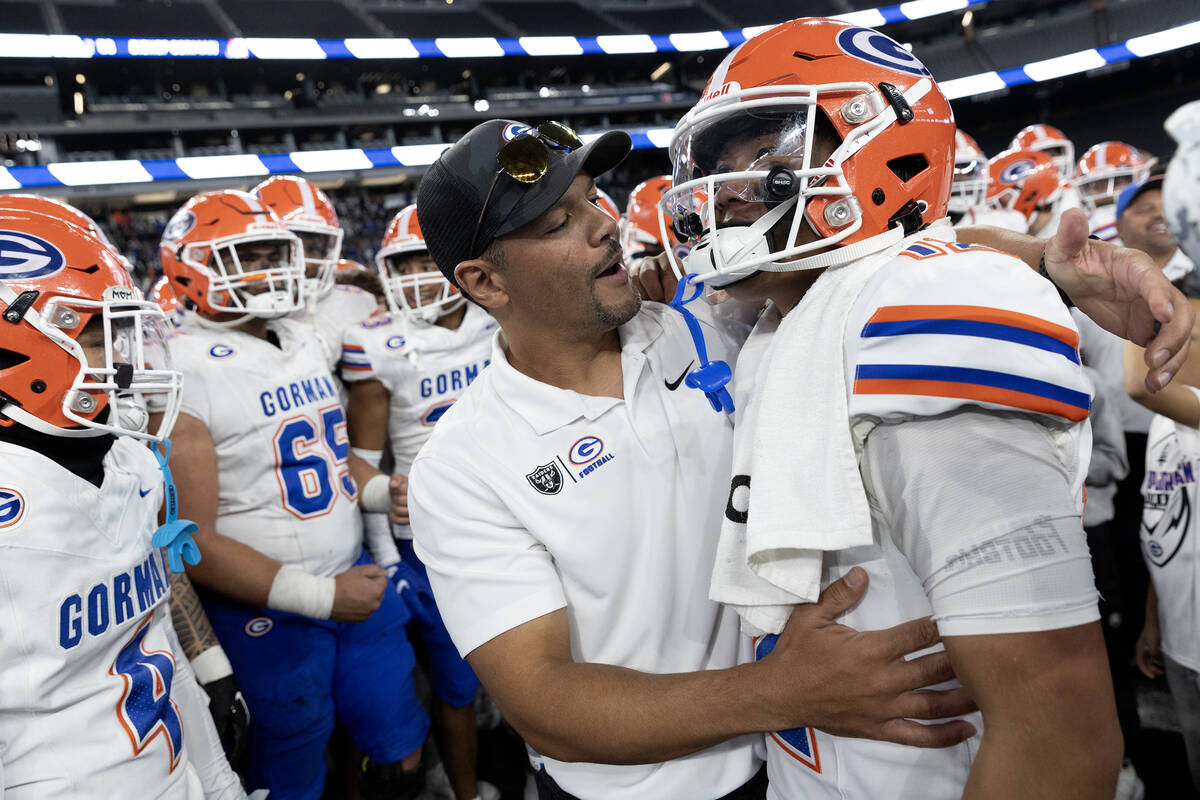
column 375, row 496
column 301, row 593
column 372, row 457
column 377, row 531
column 211, row 665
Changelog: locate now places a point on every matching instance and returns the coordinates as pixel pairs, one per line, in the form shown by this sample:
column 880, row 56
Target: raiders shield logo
column 1162, row 540
column 546, row 479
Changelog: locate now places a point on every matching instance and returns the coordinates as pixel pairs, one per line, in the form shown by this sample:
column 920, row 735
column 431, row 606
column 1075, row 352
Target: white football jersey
column 332, row 313
column 424, row 367
column 949, row 333
column 87, row 708
column 280, row 433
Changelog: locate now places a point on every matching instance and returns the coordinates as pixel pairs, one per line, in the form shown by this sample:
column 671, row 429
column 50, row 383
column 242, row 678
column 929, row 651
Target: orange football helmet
column 67, row 213
column 1106, row 169
column 83, row 354
column 1051, row 141
column 344, row 264
column 164, row 297
column 307, row 212
column 748, row 145
column 1022, row 180
column 969, row 186
column 642, row 233
column 608, row 204
column 420, row 296
column 227, row 253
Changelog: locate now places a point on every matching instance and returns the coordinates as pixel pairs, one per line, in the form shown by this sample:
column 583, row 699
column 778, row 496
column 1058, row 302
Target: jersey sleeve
column 946, row 326
column 357, row 361
column 489, row 573
column 985, row 511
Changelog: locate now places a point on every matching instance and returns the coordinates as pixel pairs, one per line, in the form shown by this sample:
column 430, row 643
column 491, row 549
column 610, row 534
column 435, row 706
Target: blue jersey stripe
column 979, row 377
column 966, row 327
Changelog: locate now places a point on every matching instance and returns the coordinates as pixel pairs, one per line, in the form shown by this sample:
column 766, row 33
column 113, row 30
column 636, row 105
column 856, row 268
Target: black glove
column 230, row 714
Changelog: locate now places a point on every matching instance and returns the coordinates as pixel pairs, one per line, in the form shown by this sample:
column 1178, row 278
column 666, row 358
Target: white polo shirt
column 528, row 498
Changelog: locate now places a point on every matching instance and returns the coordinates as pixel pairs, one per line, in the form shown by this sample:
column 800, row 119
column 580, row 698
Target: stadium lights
column 36, row 45
column 252, row 166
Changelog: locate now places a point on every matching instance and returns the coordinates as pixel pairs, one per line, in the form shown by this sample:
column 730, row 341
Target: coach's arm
column 820, row 674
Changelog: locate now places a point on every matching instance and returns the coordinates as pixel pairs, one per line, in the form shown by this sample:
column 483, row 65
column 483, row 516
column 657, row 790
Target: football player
column 97, row 694
column 1051, row 141
column 970, row 182
column 1101, row 174
column 265, row 469
column 891, row 366
column 1023, row 190
column 308, row 212
column 641, row 234
column 405, row 368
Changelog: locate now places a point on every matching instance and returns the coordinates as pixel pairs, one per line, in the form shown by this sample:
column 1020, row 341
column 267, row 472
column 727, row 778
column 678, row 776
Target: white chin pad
column 737, row 244
column 271, row 304
column 132, row 415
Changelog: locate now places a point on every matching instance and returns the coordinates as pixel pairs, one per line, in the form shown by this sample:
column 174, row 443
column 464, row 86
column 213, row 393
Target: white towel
column 792, row 438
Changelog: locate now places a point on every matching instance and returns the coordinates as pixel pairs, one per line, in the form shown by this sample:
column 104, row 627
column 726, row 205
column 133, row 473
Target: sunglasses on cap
column 526, row 158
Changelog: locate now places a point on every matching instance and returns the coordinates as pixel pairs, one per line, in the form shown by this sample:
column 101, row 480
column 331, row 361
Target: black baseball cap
column 454, row 189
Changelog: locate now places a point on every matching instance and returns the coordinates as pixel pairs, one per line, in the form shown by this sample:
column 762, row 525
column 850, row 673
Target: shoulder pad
column 945, row 326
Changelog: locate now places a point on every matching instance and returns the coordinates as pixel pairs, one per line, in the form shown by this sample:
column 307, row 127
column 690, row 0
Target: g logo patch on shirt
column 12, row 507
column 585, row 450
column 220, row 351
column 259, row 626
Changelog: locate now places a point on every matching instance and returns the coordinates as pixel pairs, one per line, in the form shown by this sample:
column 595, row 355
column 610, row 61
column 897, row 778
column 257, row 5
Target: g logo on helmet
column 12, row 507
column 1014, row 171
column 875, row 48
column 24, row 257
column 512, row 130
column 179, row 226
column 585, row 450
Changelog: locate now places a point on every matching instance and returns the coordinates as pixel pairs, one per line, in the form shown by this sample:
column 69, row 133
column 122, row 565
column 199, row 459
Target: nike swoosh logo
column 146, row 492
column 673, row 385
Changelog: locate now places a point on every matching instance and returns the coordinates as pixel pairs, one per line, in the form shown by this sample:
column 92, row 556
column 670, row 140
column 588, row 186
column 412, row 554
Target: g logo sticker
column 179, row 226
column 1013, row 172
column 585, row 450
column 12, row 507
column 512, row 130
column 875, row 48
column 24, row 257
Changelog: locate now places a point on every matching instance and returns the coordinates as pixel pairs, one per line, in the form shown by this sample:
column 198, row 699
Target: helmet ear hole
column 11, row 358
column 905, row 168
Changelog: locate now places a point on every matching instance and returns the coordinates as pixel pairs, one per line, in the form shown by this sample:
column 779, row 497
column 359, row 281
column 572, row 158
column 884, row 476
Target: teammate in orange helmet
column 1105, row 169
column 824, row 152
column 414, row 288
column 608, row 204
column 969, row 185
column 1025, row 182
column 307, row 211
column 1051, row 141
column 642, row 234
column 264, row 467
column 106, row 689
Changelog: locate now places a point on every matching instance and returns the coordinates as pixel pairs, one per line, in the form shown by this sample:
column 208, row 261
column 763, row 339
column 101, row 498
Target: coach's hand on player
column 1123, row 291
column 398, row 489
column 852, row 683
column 359, row 591
column 654, row 278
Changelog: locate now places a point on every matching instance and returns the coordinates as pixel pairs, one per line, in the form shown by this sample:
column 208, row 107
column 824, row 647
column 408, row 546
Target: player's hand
column 848, row 683
column 1148, row 652
column 654, row 279
column 1124, row 292
column 415, row 591
column 230, row 714
column 358, row 592
column 398, row 489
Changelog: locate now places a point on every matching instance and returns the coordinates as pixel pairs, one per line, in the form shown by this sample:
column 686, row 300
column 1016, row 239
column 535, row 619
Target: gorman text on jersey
column 297, row 393
column 111, row 602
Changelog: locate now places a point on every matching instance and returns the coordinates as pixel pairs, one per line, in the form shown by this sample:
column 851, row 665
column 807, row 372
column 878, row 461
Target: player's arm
column 1178, row 401
column 502, row 600
column 1118, row 287
column 367, row 418
column 227, row 566
column 242, row 573
column 988, row 517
